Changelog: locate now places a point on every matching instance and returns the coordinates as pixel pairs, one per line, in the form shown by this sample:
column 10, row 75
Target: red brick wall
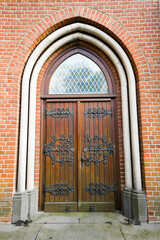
column 134, row 24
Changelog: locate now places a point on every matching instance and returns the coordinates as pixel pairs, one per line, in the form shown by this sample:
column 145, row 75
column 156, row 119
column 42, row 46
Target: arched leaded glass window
column 78, row 75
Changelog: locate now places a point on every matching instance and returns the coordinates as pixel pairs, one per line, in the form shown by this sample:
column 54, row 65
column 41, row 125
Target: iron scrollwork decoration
column 63, row 150
column 100, row 189
column 59, row 189
column 58, row 113
column 94, row 112
column 96, row 150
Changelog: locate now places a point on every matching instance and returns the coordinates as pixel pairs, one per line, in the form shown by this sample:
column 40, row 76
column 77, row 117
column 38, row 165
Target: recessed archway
column 121, row 72
column 74, row 68
column 33, row 66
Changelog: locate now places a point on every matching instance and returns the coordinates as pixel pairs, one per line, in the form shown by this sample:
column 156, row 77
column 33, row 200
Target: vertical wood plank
column 65, row 167
column 69, row 171
column 93, row 130
column 47, row 195
column 106, row 166
column 75, row 166
column 83, row 168
column 79, row 153
column 96, row 168
column 101, row 165
column 87, row 130
column 52, row 132
column 57, row 134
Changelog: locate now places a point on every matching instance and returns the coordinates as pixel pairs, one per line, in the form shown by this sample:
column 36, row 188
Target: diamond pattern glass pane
column 78, row 74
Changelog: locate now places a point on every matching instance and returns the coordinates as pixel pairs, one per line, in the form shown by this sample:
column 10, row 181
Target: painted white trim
column 37, row 68
column 24, row 103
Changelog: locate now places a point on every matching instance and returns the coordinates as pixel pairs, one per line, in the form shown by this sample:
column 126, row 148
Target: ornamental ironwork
column 96, row 150
column 100, row 189
column 60, row 152
column 59, row 189
column 98, row 112
column 58, row 113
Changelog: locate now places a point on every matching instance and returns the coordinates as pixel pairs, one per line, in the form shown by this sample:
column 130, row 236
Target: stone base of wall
column 25, row 205
column 134, row 205
column 127, row 203
column 139, row 206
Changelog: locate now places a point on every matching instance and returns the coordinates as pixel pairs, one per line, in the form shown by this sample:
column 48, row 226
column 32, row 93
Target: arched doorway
column 133, row 196
column 80, row 163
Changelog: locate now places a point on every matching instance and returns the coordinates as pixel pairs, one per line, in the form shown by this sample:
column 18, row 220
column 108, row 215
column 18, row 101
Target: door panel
column 97, row 157
column 61, row 156
column 80, row 156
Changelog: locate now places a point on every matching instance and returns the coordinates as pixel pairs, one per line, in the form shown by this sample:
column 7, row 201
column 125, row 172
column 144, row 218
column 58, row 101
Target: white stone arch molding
column 29, row 80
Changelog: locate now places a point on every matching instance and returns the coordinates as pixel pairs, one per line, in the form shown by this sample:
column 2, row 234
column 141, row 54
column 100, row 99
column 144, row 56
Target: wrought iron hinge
column 100, row 189
column 45, row 115
column 59, row 189
column 94, row 112
column 112, row 111
column 43, row 188
column 58, row 113
column 115, row 188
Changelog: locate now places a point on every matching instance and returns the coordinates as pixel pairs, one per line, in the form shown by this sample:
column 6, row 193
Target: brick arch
column 74, row 14
column 64, row 17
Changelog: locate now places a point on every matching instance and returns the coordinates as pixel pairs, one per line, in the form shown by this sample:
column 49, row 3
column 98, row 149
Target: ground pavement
column 80, row 226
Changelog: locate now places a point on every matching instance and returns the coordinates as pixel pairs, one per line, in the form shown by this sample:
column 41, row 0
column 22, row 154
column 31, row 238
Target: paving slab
column 103, row 217
column 79, row 232
column 79, row 217
column 57, row 218
column 12, row 232
column 142, row 232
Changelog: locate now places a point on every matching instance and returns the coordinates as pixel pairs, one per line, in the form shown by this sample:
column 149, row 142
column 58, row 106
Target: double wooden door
column 80, row 155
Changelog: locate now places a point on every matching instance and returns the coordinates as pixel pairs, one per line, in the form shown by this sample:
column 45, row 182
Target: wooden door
column 80, row 156
column 61, row 157
column 97, row 184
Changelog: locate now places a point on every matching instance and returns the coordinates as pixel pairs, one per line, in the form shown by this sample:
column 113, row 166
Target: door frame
column 60, row 97
column 44, row 101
